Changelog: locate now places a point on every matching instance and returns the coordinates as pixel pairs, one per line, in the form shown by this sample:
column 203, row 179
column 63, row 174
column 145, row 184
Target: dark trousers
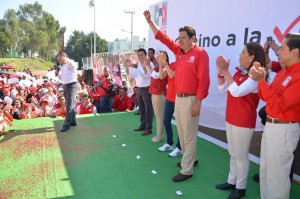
column 145, row 108
column 168, row 115
column 70, row 91
column 106, row 103
column 97, row 105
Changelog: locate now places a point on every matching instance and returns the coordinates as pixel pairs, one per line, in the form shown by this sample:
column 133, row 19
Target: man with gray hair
column 68, row 75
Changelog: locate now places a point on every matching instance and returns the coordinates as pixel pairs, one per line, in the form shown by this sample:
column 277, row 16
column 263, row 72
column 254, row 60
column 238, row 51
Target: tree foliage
column 30, row 28
column 79, row 45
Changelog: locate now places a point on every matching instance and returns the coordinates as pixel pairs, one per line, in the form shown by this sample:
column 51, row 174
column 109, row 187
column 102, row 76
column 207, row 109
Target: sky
column 78, row 15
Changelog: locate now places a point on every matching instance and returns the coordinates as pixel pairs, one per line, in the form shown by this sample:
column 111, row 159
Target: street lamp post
column 131, row 32
column 91, row 62
column 93, row 4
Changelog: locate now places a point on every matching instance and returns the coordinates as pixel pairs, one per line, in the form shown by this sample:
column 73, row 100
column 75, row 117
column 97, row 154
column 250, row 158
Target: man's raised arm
column 152, row 25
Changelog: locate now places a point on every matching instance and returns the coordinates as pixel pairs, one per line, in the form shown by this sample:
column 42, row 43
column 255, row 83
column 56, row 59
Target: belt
column 184, row 95
column 70, row 83
column 277, row 121
column 144, row 87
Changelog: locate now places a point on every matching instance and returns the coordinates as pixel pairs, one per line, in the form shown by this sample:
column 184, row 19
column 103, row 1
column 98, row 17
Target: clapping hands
column 257, row 72
column 222, row 65
column 162, row 58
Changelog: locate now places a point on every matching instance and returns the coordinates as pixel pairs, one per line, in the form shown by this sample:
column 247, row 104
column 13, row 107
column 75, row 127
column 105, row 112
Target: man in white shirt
column 142, row 76
column 68, row 75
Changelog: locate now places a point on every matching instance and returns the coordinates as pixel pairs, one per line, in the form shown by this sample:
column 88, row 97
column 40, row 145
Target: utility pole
column 131, row 32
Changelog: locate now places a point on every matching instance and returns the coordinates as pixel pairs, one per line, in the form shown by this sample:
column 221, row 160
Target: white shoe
column 176, row 152
column 166, row 147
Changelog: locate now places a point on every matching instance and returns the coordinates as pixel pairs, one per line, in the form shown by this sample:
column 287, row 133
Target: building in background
column 124, row 44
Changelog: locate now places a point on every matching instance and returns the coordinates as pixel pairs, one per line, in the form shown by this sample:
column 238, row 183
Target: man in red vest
column 86, row 107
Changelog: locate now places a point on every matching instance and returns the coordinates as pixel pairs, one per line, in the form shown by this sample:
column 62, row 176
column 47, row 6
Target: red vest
column 62, row 113
column 158, row 86
column 241, row 111
column 86, row 110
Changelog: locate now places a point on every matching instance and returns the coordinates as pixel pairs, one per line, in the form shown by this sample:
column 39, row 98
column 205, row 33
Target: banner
column 118, row 69
column 223, row 27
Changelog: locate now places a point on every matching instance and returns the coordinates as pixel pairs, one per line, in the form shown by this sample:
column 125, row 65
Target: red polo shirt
column 86, row 110
column 106, row 85
column 122, row 104
column 276, row 67
column 171, row 95
column 282, row 96
column 133, row 99
column 95, row 94
column 62, row 113
column 192, row 72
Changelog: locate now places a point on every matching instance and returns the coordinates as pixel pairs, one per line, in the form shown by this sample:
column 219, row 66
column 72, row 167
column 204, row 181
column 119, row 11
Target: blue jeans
column 106, row 103
column 70, row 95
column 168, row 115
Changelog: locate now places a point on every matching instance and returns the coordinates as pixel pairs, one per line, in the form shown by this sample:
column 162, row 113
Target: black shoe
column 195, row 163
column 139, row 129
column 256, row 177
column 225, row 186
column 137, row 113
column 73, row 124
column 64, row 129
column 181, row 177
column 237, row 194
column 146, row 133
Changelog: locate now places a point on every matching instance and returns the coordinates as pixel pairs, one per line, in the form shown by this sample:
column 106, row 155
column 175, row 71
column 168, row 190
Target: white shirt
column 248, row 86
column 155, row 75
column 138, row 74
column 68, row 72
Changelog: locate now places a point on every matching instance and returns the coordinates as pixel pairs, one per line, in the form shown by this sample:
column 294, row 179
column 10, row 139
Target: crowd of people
column 164, row 88
column 46, row 97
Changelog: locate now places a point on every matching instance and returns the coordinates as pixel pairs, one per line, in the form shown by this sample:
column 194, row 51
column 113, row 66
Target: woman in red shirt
column 242, row 101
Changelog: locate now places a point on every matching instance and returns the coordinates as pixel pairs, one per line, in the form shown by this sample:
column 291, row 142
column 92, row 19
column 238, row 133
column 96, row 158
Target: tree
column 41, row 27
column 79, row 45
column 31, row 28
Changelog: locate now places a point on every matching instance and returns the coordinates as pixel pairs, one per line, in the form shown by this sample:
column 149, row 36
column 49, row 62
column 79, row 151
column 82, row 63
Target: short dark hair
column 189, row 30
column 86, row 95
column 257, row 51
column 293, row 41
column 123, row 88
column 62, row 53
column 142, row 50
column 151, row 49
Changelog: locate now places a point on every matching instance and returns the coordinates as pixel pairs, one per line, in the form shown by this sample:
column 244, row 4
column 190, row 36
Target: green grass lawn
column 34, row 64
column 89, row 161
